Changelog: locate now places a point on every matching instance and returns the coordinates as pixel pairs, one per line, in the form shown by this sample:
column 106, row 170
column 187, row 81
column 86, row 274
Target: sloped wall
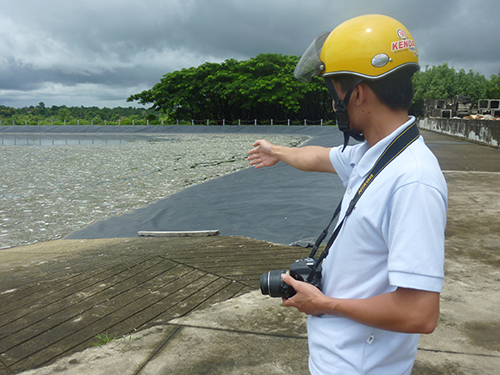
column 482, row 131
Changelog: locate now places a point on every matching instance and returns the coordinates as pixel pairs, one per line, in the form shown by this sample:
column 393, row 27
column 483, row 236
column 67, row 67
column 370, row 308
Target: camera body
column 305, row 269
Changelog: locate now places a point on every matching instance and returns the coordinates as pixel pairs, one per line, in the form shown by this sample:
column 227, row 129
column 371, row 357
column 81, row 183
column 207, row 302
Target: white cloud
column 86, row 94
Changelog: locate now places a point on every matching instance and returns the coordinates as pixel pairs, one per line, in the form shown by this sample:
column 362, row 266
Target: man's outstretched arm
column 309, row 158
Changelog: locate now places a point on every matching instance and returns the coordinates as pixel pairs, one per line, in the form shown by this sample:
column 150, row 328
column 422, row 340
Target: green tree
column 97, row 120
column 262, row 87
column 493, row 87
column 434, row 83
column 440, row 82
column 151, row 118
column 471, row 84
column 7, row 111
column 64, row 114
column 40, row 109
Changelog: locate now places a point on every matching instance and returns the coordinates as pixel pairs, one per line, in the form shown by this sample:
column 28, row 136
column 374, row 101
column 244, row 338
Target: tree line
column 261, row 88
column 443, row 81
column 74, row 115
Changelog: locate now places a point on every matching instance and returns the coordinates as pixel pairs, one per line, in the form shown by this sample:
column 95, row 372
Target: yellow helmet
column 369, row 46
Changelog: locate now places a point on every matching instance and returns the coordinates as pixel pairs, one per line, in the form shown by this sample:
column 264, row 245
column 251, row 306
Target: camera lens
column 264, row 285
column 271, row 284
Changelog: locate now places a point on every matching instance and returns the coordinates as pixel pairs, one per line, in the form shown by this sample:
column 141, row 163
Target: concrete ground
column 192, row 305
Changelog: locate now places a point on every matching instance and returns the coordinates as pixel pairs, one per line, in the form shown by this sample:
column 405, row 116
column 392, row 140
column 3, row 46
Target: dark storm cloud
column 465, row 37
column 81, row 53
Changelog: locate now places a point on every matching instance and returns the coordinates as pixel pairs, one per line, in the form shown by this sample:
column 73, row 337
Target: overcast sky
column 99, row 52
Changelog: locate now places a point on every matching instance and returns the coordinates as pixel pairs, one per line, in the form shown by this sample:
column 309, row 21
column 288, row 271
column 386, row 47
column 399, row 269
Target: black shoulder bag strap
column 397, row 146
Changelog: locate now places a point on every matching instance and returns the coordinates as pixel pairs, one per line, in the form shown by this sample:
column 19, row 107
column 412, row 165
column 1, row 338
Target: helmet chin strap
column 341, row 111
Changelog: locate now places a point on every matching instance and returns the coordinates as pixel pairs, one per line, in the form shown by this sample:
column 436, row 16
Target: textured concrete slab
column 443, row 363
column 214, row 352
column 244, row 335
column 123, row 356
column 251, row 312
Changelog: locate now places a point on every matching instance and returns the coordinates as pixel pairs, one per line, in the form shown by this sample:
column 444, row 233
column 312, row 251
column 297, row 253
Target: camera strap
column 396, row 147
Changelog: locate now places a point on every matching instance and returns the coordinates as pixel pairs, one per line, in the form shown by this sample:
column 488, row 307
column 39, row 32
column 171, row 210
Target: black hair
column 394, row 90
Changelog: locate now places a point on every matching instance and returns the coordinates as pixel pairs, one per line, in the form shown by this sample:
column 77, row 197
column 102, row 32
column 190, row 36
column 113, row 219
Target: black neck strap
column 397, row 146
column 342, row 116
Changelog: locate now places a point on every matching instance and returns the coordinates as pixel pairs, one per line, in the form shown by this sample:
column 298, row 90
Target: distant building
column 461, row 106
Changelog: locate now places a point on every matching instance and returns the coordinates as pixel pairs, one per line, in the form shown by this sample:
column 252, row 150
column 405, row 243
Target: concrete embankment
column 481, row 131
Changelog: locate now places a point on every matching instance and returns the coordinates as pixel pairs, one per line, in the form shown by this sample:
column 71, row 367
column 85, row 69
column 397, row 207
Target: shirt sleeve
column 415, row 226
column 345, row 161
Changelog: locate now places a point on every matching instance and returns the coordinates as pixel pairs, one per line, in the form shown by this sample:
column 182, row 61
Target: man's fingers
column 288, row 279
column 253, row 150
column 256, row 143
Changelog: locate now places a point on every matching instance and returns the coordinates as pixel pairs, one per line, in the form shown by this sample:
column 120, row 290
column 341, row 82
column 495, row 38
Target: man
column 382, row 278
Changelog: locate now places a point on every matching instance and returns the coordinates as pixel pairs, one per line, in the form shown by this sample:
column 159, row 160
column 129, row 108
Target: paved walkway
column 192, row 305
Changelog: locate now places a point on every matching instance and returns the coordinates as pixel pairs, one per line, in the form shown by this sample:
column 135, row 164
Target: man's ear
column 360, row 94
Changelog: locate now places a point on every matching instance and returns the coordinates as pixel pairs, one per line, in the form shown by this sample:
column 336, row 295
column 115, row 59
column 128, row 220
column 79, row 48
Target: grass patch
column 103, row 339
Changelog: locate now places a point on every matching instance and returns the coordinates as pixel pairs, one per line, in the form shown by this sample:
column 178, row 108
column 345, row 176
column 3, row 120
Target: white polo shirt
column 393, row 238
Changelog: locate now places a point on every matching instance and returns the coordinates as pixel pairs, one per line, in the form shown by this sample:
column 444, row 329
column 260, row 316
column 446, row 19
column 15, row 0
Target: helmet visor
column 310, row 64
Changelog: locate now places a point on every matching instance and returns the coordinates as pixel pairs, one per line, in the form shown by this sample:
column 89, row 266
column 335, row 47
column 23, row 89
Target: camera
column 305, row 269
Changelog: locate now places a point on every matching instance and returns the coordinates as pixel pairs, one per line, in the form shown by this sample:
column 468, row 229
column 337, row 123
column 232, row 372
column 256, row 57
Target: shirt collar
column 371, row 155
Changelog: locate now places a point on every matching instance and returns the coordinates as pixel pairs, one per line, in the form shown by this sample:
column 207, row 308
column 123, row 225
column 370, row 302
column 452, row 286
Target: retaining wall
column 482, row 131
